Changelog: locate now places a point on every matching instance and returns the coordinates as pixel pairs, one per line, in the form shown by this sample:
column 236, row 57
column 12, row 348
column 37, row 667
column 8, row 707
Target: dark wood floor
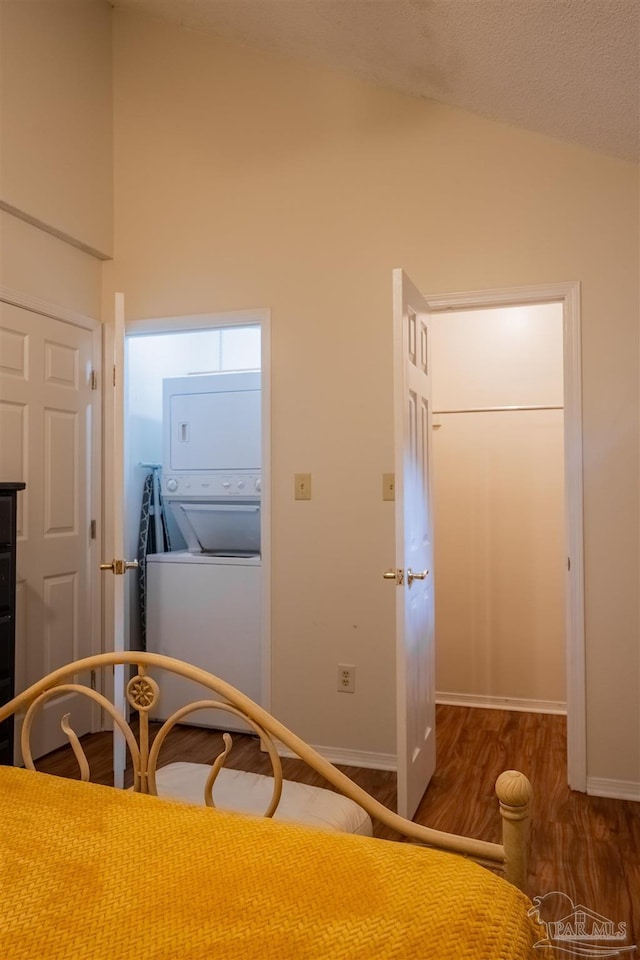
column 585, row 847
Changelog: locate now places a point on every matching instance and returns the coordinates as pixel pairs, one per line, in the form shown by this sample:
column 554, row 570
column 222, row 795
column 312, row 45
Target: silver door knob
column 411, row 576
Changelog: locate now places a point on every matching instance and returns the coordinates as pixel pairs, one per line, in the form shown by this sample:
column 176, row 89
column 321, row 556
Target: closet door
column 47, row 421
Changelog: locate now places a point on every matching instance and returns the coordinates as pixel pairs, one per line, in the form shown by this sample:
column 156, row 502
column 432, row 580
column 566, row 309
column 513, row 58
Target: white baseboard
column 616, row 789
column 346, row 757
column 501, row 703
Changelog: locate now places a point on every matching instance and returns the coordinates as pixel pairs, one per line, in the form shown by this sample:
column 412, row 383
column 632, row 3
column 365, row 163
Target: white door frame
column 261, row 318
column 568, row 294
column 55, row 311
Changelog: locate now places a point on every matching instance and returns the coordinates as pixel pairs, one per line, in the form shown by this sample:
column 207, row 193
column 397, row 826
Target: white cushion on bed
column 251, row 793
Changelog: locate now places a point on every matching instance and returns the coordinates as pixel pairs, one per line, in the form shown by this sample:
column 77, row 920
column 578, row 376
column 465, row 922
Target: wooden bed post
column 514, row 793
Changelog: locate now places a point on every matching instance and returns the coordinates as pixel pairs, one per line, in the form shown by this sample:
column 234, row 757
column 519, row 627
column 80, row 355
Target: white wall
column 56, row 116
column 500, row 555
column 246, row 180
column 55, row 149
column 39, row 265
column 56, row 200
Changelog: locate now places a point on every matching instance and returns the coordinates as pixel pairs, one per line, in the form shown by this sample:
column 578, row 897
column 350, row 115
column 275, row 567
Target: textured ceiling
column 565, row 68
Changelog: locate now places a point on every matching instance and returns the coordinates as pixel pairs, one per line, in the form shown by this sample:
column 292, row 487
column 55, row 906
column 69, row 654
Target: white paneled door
column 48, row 411
column 413, row 573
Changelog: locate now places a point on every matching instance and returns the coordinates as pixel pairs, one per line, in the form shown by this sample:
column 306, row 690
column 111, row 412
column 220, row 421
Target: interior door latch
column 397, row 575
column 120, row 566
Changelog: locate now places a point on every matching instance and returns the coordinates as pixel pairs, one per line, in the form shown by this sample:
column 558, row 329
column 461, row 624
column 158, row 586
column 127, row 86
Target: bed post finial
column 514, row 793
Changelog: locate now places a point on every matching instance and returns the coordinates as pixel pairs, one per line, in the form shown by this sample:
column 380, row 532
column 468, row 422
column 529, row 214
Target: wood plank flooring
column 585, row 847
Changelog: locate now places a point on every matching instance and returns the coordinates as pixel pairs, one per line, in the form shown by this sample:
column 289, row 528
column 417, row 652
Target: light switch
column 303, row 486
column 388, row 486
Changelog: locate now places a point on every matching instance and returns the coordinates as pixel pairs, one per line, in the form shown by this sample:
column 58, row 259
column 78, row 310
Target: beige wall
column 499, row 532
column 56, row 116
column 39, row 265
column 244, row 180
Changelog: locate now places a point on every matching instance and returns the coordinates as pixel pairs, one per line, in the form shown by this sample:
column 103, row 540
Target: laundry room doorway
column 196, row 495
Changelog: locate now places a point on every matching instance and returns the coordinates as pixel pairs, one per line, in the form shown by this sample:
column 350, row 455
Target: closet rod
column 497, row 409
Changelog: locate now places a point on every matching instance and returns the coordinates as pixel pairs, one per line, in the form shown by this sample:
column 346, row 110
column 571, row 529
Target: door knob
column 397, row 575
column 120, row 566
column 411, row 576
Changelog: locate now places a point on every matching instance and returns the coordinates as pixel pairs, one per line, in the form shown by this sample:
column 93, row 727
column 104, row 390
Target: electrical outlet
column 346, row 678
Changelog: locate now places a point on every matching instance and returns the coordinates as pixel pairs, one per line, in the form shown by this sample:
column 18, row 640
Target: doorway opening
column 206, row 362
column 508, row 504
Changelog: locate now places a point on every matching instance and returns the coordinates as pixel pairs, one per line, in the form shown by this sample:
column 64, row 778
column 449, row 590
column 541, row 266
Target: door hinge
column 92, row 530
column 93, row 680
column 568, row 563
column 114, row 374
column 94, row 379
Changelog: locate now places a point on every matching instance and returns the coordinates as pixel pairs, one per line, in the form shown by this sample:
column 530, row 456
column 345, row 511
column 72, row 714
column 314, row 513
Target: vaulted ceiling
column 565, row 68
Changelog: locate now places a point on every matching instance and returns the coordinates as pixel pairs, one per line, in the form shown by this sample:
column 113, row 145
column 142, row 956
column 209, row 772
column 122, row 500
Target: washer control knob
column 172, row 484
column 226, row 484
column 258, row 484
column 240, row 484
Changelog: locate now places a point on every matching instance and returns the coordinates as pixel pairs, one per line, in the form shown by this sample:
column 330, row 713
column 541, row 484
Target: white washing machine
column 206, row 610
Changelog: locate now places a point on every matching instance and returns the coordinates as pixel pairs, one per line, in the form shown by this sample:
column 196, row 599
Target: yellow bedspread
column 94, row 873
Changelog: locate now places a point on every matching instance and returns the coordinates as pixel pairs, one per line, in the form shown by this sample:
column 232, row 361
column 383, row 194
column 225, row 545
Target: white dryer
column 212, row 425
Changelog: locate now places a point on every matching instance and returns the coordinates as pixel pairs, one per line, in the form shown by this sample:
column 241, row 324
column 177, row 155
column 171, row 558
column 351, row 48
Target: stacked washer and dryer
column 204, row 602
